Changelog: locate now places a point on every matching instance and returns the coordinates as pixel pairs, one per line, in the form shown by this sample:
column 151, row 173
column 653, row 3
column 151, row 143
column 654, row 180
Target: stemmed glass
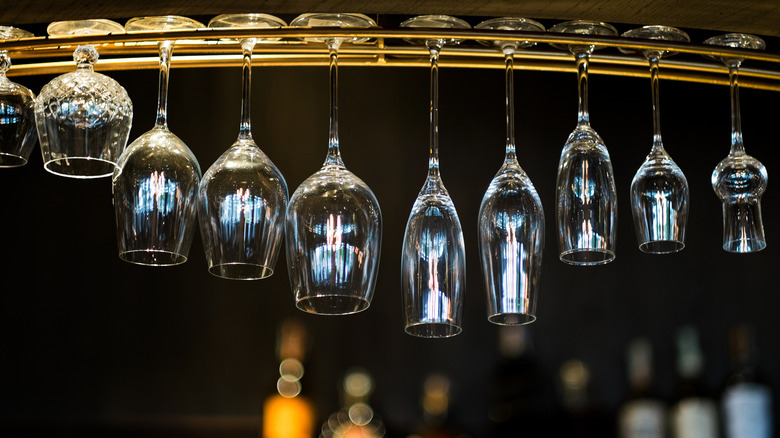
column 17, row 126
column 511, row 218
column 659, row 190
column 243, row 196
column 334, row 224
column 585, row 196
column 155, row 183
column 739, row 180
column 433, row 261
column 83, row 117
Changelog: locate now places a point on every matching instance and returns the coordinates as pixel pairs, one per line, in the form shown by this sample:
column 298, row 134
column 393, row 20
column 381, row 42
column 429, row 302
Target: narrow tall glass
column 586, row 198
column 243, row 196
column 511, row 218
column 334, row 224
column 155, row 184
column 739, row 180
column 659, row 190
column 433, row 258
column 17, row 105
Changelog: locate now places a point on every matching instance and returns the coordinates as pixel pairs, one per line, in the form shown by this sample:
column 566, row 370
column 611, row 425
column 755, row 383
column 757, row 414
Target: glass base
column 511, row 318
column 433, row 330
column 81, row 168
column 743, row 246
column 11, row 160
column 332, row 304
column 153, row 258
column 661, row 246
column 587, row 257
column 241, row 271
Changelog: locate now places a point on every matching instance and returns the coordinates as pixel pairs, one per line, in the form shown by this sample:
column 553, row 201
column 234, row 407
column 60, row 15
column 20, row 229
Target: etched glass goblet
column 511, row 218
column 433, row 258
column 83, row 117
column 586, row 198
column 334, row 224
column 17, row 112
column 659, row 190
column 155, row 184
column 243, row 196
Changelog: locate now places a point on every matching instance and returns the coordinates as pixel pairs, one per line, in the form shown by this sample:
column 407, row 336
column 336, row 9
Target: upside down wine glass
column 334, row 224
column 155, row 184
column 243, row 196
column 586, row 199
column 511, row 218
column 739, row 180
column 659, row 190
column 433, row 258
column 83, row 117
column 17, row 124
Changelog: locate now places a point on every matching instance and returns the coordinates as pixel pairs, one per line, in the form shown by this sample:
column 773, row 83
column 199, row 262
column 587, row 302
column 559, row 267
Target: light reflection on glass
column 333, row 260
column 156, row 194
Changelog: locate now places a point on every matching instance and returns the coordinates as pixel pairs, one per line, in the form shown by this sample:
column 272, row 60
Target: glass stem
column 509, row 59
column 433, row 159
column 736, row 119
column 165, row 49
column 334, row 154
column 654, row 59
column 582, row 56
column 245, row 131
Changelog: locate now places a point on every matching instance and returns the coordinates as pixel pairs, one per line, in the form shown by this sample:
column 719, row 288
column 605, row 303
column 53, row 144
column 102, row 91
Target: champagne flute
column 243, row 196
column 585, row 196
column 511, row 218
column 433, row 261
column 334, row 224
column 17, row 126
column 83, row 117
column 155, row 184
column 739, row 180
column 659, row 190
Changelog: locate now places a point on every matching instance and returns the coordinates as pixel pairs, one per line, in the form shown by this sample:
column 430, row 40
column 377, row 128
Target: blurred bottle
column 695, row 414
column 578, row 417
column 643, row 413
column 747, row 399
column 436, row 403
column 517, row 387
column 357, row 418
column 288, row 413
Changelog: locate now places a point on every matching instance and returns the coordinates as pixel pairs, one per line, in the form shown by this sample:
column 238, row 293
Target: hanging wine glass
column 243, row 197
column 586, row 201
column 83, row 117
column 659, row 190
column 433, row 261
column 511, row 218
column 156, row 181
column 334, row 224
column 17, row 124
column 739, row 180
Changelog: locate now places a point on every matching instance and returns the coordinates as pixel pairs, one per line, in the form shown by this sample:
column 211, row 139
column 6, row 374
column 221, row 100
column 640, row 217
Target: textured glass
column 17, row 119
column 83, row 120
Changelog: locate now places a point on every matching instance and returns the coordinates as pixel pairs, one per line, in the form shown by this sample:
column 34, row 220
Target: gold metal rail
column 206, row 48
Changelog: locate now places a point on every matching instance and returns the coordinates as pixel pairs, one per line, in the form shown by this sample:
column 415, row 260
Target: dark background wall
column 90, row 342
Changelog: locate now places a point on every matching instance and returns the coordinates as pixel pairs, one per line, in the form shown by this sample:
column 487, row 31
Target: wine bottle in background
column 695, row 413
column 643, row 413
column 578, row 416
column 747, row 399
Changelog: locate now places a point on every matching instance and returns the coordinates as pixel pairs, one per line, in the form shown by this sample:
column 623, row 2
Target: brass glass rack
column 389, row 48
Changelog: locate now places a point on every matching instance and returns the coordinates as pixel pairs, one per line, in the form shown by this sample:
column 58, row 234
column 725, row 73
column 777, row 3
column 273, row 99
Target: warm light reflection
column 334, row 260
column 288, row 418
